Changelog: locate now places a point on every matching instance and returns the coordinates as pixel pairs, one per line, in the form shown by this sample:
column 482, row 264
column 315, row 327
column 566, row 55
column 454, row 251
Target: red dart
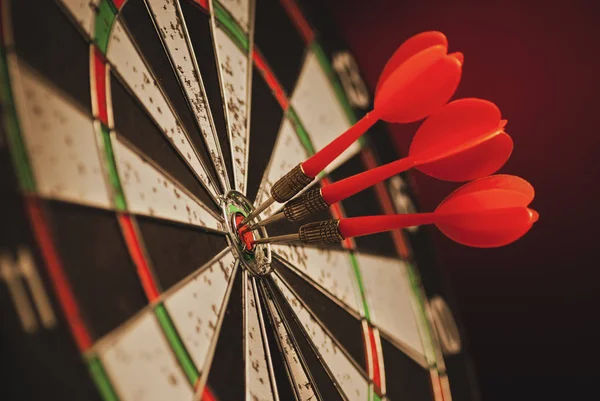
column 462, row 141
column 486, row 213
column 419, row 78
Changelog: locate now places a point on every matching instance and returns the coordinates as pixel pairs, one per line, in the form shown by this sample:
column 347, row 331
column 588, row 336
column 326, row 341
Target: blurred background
column 530, row 309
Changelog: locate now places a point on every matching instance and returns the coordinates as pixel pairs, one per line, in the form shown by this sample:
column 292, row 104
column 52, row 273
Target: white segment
column 129, row 64
column 84, row 11
column 288, row 152
column 391, row 299
column 330, row 269
column 349, row 378
column 319, row 110
column 60, row 139
column 234, row 79
column 259, row 386
column 302, row 384
column 239, row 10
column 150, row 192
column 195, row 307
column 167, row 16
column 141, row 365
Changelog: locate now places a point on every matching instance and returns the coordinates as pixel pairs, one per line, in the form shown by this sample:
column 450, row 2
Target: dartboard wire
column 115, row 136
column 222, row 19
column 219, row 163
column 323, row 326
column 207, row 185
column 267, row 292
column 265, row 341
column 205, row 369
column 318, row 286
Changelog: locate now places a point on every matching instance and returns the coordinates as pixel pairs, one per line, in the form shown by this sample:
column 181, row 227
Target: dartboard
column 136, row 135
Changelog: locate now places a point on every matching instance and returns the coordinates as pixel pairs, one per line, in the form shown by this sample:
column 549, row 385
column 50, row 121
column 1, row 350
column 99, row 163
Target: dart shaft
column 258, row 210
column 279, row 238
column 365, row 225
column 268, row 220
column 317, row 162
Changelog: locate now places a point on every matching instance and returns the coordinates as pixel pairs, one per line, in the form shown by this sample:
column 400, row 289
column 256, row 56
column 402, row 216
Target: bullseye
column 245, row 236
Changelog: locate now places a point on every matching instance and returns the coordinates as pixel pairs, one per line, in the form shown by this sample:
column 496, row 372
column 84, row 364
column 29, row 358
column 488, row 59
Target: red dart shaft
column 349, row 186
column 358, row 226
column 317, row 162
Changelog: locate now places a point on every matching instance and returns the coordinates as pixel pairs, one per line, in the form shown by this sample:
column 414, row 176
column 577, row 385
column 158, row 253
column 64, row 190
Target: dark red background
column 530, row 309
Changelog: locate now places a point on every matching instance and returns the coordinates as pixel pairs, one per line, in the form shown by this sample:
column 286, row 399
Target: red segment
column 202, row 3
column 245, row 235
column 268, row 75
column 118, row 3
column 138, row 257
column 386, row 204
column 298, row 19
column 99, row 65
column 376, row 374
column 207, row 395
column 57, row 274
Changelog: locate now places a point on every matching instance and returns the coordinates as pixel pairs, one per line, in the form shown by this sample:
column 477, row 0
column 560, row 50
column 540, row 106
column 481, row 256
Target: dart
column 462, row 141
column 486, row 213
column 418, row 79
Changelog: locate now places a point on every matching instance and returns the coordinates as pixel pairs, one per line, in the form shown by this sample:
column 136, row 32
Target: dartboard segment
column 151, row 192
column 234, row 56
column 173, row 30
column 133, row 70
column 84, row 11
column 197, row 303
column 327, row 269
column 60, row 139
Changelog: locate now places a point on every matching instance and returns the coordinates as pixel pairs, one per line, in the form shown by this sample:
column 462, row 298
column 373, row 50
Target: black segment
column 326, row 387
column 405, row 379
column 361, row 204
column 279, row 42
column 45, row 364
column 344, row 327
column 175, row 250
column 139, row 23
column 198, row 23
column 49, row 42
column 227, row 378
column 285, row 386
column 132, row 122
column 97, row 264
column 265, row 121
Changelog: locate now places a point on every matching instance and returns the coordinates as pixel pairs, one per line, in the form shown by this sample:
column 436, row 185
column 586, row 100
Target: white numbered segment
column 288, row 152
column 150, row 192
column 172, row 29
column 196, row 305
column 329, row 269
column 354, row 385
column 319, row 110
column 83, row 11
column 239, row 10
column 141, row 365
column 302, row 384
column 60, row 140
column 234, row 80
column 392, row 302
column 259, row 383
column 126, row 60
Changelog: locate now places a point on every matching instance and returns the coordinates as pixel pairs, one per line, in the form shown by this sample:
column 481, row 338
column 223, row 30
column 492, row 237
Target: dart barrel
column 305, row 205
column 321, row 232
column 290, row 184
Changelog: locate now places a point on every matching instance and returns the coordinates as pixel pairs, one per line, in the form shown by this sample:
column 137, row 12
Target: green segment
column 361, row 286
column 300, row 131
column 105, row 17
column 113, row 176
column 176, row 345
column 101, row 379
column 232, row 28
column 337, row 86
column 12, row 129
